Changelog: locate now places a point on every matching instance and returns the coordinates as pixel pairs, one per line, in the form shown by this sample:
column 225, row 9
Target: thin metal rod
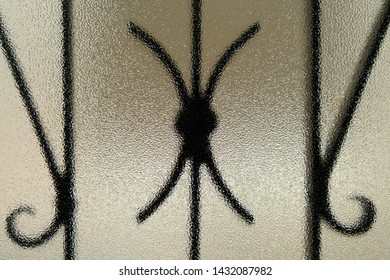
column 227, row 194
column 195, row 212
column 219, row 67
column 163, row 56
column 164, row 193
column 196, row 47
column 314, row 197
column 375, row 46
column 66, row 194
column 28, row 101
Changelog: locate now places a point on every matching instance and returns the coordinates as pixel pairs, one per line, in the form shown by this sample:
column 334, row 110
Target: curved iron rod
column 227, row 194
column 362, row 225
column 163, row 56
column 163, row 194
column 28, row 101
column 227, row 56
column 26, row 241
column 334, row 149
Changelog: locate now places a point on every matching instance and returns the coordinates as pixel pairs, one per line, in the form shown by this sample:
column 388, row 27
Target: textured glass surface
column 126, row 146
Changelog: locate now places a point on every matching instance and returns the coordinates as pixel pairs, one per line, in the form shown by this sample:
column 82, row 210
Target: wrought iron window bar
column 196, row 112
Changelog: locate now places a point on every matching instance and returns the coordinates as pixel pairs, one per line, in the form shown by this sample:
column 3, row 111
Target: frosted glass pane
column 126, row 146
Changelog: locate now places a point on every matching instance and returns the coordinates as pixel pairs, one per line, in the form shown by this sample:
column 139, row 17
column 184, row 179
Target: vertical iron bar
column 195, row 211
column 316, row 189
column 196, row 47
column 67, row 194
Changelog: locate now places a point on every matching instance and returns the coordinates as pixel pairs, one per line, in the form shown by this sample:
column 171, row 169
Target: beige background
column 125, row 105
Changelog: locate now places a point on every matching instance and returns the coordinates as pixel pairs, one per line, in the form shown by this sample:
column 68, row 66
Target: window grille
column 195, row 124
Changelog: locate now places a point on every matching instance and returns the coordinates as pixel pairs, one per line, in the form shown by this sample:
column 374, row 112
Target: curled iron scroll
column 322, row 167
column 63, row 181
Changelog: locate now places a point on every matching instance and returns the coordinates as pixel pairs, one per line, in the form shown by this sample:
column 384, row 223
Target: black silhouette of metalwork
column 63, row 180
column 195, row 124
column 322, row 167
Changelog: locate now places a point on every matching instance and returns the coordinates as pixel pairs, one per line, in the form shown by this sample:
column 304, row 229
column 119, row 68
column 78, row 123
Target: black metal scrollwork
column 195, row 123
column 322, row 167
column 63, row 180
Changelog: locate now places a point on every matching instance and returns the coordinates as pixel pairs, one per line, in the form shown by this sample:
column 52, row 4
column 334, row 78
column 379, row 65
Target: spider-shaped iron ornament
column 195, row 123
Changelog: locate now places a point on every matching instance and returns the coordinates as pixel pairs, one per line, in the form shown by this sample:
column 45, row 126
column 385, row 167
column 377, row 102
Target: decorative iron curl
column 27, row 241
column 63, row 180
column 360, row 226
column 322, row 167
